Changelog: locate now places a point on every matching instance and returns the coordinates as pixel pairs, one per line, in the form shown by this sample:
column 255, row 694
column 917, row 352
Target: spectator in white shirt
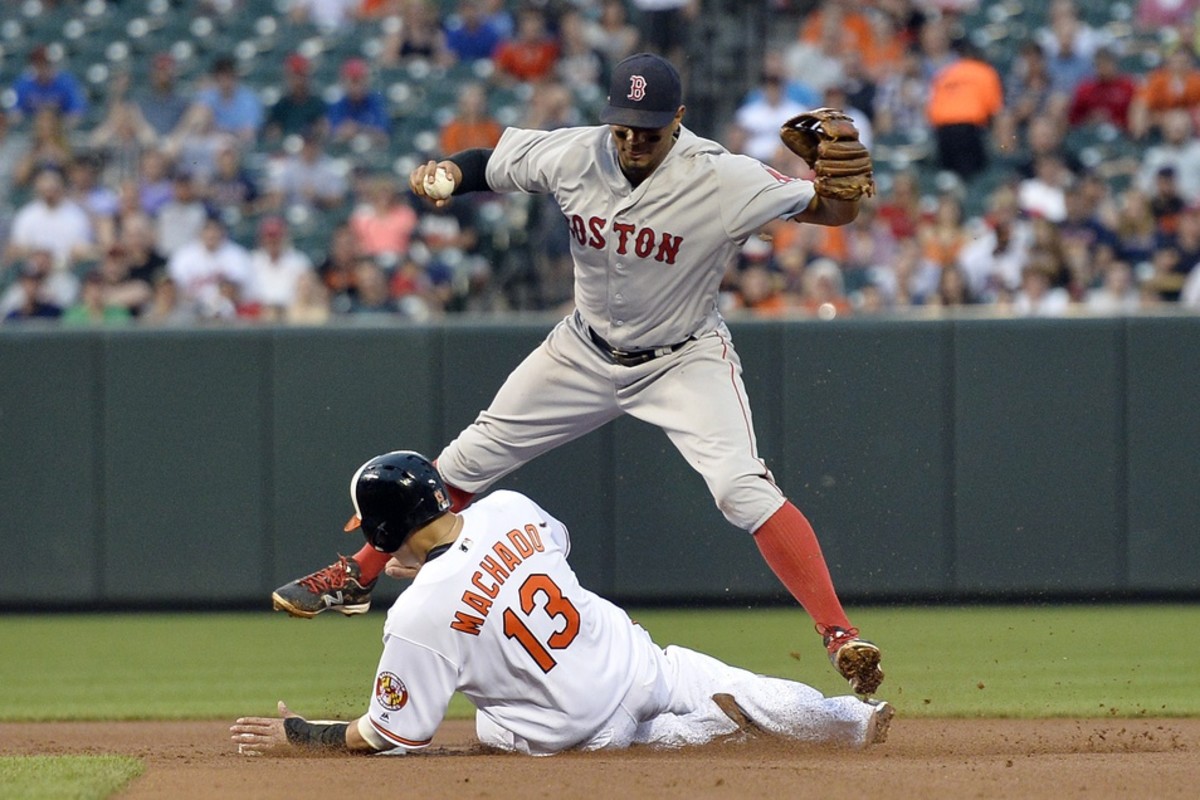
column 276, row 268
column 53, row 222
column 992, row 261
column 761, row 117
column 1038, row 297
column 1045, row 194
column 198, row 267
column 182, row 217
column 1064, row 27
column 1179, row 150
column 1118, row 294
column 328, row 15
column 1190, row 297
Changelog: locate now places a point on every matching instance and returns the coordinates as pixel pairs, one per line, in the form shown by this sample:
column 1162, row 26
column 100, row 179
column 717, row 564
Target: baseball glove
column 828, row 142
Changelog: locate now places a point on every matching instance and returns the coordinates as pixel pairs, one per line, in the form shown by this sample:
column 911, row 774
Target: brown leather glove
column 828, row 142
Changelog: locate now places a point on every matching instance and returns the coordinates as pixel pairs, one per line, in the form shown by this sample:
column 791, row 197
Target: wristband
column 473, row 166
column 308, row 734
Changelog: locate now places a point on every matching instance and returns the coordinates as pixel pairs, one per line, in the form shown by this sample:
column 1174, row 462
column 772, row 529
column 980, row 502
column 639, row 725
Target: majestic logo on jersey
column 641, row 242
column 637, row 88
column 390, row 691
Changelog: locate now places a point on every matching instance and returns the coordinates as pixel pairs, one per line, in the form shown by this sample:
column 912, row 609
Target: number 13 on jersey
column 556, row 606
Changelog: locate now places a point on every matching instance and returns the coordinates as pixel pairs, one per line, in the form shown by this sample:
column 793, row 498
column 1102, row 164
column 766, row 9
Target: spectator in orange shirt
column 471, row 126
column 531, row 55
column 844, row 14
column 889, row 45
column 964, row 98
column 943, row 234
column 374, row 9
column 1176, row 84
column 875, row 39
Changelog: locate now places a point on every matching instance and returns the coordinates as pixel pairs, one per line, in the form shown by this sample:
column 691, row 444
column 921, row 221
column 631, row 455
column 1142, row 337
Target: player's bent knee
column 747, row 502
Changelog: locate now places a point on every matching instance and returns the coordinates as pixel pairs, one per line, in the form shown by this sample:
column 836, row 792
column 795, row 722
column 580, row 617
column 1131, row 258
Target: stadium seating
column 96, row 39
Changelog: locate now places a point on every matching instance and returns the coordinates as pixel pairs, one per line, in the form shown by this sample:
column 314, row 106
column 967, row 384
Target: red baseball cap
column 355, row 68
column 297, row 64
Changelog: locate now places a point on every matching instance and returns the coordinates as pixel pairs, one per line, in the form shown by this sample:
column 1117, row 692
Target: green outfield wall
column 938, row 459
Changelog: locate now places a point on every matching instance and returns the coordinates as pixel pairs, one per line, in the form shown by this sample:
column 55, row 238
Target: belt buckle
column 632, row 358
column 624, row 358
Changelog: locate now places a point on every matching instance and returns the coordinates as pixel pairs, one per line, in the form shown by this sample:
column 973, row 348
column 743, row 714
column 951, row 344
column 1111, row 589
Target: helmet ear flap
column 382, row 539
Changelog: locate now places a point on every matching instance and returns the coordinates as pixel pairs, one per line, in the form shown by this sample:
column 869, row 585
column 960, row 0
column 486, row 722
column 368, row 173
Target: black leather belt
column 631, row 358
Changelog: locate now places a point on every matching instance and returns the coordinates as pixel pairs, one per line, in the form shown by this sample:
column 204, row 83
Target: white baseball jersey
column 648, row 259
column 549, row 665
column 502, row 618
column 197, row 270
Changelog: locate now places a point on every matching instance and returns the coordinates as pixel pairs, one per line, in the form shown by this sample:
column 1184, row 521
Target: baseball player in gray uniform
column 497, row 613
column 656, row 214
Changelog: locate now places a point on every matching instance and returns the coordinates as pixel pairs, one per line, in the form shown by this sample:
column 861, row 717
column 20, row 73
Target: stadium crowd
column 1031, row 164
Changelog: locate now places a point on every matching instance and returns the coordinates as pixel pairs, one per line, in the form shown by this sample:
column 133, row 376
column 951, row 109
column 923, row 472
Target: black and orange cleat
column 338, row 587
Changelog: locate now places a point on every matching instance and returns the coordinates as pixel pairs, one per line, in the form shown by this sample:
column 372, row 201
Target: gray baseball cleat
column 880, row 721
column 338, row 586
column 857, row 660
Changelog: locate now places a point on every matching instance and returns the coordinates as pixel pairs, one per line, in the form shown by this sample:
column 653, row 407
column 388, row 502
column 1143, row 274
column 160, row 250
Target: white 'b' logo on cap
column 637, row 87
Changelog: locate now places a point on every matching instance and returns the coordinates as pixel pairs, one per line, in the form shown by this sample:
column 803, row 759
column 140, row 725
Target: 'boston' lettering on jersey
column 643, row 241
column 525, row 542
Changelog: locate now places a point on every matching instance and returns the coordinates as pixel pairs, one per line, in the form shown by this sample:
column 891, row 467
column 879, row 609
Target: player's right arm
column 258, row 735
column 412, row 688
column 466, row 168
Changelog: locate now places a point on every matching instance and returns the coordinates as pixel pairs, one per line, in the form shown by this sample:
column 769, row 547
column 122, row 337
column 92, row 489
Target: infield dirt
column 923, row 758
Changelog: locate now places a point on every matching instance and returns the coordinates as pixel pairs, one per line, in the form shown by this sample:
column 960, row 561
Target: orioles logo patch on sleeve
column 390, row 691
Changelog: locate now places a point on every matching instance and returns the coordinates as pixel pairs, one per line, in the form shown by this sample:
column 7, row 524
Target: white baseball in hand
column 439, row 185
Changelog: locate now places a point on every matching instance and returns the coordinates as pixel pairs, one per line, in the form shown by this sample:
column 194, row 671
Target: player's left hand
column 401, row 571
column 257, row 735
column 828, row 142
column 403, row 565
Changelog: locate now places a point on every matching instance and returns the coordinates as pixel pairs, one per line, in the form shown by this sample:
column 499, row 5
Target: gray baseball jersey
column 550, row 666
column 648, row 262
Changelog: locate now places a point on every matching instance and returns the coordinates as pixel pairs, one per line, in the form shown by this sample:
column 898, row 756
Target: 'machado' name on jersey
column 525, row 542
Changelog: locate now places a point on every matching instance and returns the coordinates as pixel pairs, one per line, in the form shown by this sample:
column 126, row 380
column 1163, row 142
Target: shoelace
column 834, row 637
column 332, row 577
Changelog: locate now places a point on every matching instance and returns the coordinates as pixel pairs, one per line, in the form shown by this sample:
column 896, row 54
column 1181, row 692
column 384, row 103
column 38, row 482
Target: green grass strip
column 1017, row 661
column 65, row 777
